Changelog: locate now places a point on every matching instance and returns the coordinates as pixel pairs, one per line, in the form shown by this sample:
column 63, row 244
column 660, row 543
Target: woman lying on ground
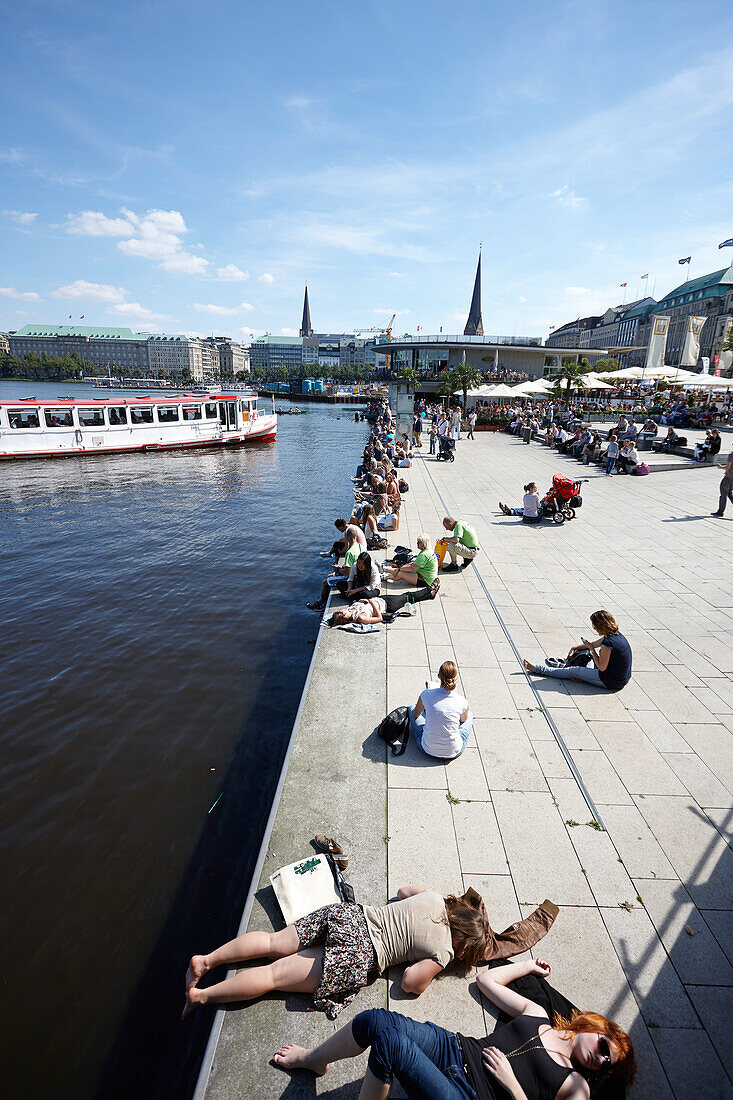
column 335, row 951
column 610, row 655
column 422, row 571
column 530, row 512
column 441, row 719
column 530, row 1058
column 372, row 610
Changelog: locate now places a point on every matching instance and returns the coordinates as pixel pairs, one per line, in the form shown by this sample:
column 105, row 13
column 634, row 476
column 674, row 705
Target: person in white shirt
column 628, row 457
column 441, row 720
column 530, row 511
column 471, row 423
column 456, row 424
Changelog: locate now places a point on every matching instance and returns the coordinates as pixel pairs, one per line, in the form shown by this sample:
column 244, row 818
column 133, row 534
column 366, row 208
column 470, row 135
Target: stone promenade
column 645, row 929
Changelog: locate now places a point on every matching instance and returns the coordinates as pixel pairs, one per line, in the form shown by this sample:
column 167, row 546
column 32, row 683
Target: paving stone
column 508, row 756
column 636, row 844
column 691, row 1064
column 715, row 1008
column 720, row 923
column 723, row 821
column 698, row 853
column 599, row 776
column 663, row 735
column 713, row 743
column 674, row 701
column 480, row 847
column 551, row 760
column 696, row 957
column 487, row 693
column 704, row 787
column 465, row 775
column 542, row 859
column 473, row 649
column 641, row 768
column 657, row 988
column 422, row 848
column 414, row 768
column 406, row 647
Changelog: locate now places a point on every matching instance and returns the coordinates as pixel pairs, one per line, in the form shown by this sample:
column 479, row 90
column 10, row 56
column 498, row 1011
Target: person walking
column 726, row 486
column 471, row 423
column 433, row 436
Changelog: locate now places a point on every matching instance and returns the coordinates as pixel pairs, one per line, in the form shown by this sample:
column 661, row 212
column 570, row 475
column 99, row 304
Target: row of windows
column 116, row 416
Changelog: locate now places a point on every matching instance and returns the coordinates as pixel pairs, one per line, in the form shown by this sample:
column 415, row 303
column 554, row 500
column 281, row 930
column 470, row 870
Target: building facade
column 4, row 343
column 233, row 357
column 119, row 350
column 570, row 334
column 709, row 296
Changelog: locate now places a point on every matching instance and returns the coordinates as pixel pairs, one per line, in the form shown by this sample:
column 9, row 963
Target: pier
column 615, row 806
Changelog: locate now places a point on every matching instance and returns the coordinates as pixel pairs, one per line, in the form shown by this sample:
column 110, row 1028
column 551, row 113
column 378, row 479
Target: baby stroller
column 446, row 447
column 562, row 499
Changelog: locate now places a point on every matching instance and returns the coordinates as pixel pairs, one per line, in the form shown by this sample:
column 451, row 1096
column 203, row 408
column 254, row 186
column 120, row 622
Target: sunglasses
column 604, row 1049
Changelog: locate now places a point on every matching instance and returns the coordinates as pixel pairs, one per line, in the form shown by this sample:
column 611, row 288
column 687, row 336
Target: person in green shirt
column 422, row 571
column 461, row 541
column 351, row 553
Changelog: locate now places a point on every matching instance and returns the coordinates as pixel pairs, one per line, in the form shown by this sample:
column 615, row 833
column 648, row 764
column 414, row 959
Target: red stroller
column 562, row 499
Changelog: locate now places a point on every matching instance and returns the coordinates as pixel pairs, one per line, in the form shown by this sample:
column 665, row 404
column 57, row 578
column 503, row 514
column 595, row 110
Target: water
column 155, row 648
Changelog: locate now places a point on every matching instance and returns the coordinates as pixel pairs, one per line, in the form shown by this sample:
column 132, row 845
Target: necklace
column 532, row 1044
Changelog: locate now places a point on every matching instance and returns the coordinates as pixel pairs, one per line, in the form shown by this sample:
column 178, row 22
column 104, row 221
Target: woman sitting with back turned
column 333, row 952
column 530, row 1058
column 441, row 720
column 610, row 655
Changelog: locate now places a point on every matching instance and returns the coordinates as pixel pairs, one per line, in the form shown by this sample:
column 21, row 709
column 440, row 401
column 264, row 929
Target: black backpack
column 395, row 730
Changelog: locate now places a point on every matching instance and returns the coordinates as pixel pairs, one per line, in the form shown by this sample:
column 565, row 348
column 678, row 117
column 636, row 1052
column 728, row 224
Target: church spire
column 306, row 329
column 474, row 324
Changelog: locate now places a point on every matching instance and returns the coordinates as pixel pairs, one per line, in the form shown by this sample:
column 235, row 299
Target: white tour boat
column 39, row 427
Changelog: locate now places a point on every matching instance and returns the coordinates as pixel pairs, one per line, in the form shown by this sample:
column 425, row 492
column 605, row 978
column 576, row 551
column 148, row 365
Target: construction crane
column 386, row 331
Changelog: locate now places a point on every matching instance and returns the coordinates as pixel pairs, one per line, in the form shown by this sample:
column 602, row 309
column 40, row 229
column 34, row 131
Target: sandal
column 327, row 844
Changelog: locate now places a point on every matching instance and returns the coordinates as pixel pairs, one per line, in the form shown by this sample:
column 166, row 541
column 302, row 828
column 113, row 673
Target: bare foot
column 528, row 665
column 294, row 1057
column 196, row 970
column 194, row 997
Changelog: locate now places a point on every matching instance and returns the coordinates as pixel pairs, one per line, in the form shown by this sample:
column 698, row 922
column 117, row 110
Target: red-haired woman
column 530, row 1058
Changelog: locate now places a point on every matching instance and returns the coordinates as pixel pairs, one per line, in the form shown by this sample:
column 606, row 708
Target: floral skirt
column 348, row 954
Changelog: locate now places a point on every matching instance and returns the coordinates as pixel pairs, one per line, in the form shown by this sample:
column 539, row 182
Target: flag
column 69, row 316
column 726, row 244
column 441, row 328
column 644, row 276
column 691, row 350
column 685, row 261
column 624, row 284
column 82, row 317
column 657, row 343
column 418, row 328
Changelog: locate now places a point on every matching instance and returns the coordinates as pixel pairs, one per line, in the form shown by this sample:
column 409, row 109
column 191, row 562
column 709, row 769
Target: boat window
column 168, row 414
column 141, row 414
column 24, row 418
column 210, row 410
column 91, row 418
column 191, row 412
column 117, row 414
column 59, row 418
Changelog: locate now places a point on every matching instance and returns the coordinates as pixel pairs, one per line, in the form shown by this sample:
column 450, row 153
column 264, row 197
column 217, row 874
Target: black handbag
column 578, row 660
column 395, row 729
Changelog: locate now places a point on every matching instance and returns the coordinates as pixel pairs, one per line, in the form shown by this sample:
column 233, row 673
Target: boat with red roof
column 42, row 428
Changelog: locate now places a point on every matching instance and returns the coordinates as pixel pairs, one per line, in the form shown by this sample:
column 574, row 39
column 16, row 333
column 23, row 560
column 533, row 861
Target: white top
column 443, row 710
column 374, row 581
column 531, row 504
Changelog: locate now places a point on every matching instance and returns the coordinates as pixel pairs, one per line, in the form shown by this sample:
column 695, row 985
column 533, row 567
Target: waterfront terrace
column 644, row 930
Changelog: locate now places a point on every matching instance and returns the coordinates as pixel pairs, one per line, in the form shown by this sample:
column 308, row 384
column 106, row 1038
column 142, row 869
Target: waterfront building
column 569, row 334
column 710, row 296
column 180, row 356
column 270, row 353
column 233, row 357
column 4, row 343
column 118, row 349
column 605, row 332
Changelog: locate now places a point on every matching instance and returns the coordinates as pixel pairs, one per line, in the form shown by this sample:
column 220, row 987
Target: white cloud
column 522, row 298
column 396, row 275
column 135, row 311
column 156, row 235
column 20, row 217
column 577, row 291
column 21, row 295
column 230, row 273
column 247, row 331
column 90, row 292
column 388, row 312
column 566, row 197
column 267, row 278
column 288, row 332
column 299, row 102
column 223, row 311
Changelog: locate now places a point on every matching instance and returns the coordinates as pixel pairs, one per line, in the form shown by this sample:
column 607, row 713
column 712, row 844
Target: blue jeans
column 579, row 672
column 610, row 463
column 432, row 443
column 417, row 725
column 426, row 1059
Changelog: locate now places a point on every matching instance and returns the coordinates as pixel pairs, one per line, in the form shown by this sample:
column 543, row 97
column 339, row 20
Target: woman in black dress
column 530, row 1058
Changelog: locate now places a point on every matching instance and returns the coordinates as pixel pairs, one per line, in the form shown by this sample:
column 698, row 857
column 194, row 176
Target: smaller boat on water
column 42, row 428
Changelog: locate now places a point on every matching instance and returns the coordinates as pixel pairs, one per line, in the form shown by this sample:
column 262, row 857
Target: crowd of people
column 334, row 951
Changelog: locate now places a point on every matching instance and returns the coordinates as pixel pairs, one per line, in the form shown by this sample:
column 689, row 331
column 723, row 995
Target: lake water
column 155, row 647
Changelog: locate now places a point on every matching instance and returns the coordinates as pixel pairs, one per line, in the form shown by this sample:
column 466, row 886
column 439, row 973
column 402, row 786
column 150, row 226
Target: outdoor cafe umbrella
column 500, row 390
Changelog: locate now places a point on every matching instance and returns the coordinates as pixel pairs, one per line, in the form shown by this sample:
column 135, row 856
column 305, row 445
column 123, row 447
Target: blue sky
column 187, row 167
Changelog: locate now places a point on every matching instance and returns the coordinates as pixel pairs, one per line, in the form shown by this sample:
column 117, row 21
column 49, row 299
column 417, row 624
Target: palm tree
column 570, row 373
column 408, row 377
column 468, row 377
column 449, row 383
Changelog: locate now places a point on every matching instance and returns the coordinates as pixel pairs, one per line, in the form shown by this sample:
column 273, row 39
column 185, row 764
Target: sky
column 188, row 167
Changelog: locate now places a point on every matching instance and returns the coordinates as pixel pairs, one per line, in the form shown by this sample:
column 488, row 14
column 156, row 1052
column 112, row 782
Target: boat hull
column 138, row 441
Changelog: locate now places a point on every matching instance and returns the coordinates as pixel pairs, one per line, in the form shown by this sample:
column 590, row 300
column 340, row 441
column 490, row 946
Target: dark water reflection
column 155, row 647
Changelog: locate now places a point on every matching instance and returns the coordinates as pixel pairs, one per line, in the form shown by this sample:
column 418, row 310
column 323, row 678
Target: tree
column 468, row 377
column 449, row 383
column 570, row 373
column 728, row 346
column 408, row 377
